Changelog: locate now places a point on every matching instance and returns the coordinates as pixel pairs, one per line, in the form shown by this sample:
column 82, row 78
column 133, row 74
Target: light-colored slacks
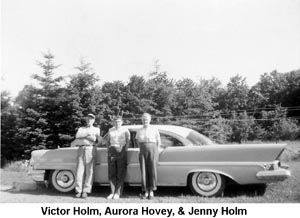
column 85, row 169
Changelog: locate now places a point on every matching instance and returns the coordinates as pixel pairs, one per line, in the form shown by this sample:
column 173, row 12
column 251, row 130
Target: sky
column 190, row 38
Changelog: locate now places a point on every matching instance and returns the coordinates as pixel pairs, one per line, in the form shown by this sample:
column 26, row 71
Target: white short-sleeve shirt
column 148, row 134
column 118, row 136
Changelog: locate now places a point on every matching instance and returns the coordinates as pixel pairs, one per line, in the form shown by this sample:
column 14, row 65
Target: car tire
column 62, row 180
column 207, row 184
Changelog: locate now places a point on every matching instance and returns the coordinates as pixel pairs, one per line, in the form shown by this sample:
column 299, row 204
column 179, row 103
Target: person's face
column 146, row 120
column 90, row 121
column 118, row 123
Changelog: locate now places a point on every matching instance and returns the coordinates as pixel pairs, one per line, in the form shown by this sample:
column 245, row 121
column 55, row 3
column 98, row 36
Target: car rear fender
column 213, row 171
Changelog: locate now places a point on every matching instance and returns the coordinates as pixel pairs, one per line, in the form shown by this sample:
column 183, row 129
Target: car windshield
column 198, row 139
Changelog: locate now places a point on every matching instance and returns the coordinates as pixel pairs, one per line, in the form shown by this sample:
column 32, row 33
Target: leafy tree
column 184, row 96
column 160, row 90
column 218, row 129
column 136, row 101
column 291, row 92
column 277, row 89
column 242, row 126
column 285, row 129
column 195, row 99
column 235, row 97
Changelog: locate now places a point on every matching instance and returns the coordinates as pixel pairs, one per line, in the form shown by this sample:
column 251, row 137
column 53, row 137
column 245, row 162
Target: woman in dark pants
column 118, row 142
column 148, row 140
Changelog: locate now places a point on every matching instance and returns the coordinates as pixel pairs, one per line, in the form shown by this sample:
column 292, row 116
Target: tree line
column 47, row 115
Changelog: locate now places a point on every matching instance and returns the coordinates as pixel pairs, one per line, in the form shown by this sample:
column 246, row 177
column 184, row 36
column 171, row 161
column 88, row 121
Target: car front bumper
column 36, row 175
column 273, row 175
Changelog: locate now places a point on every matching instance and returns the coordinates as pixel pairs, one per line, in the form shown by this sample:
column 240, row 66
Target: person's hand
column 160, row 149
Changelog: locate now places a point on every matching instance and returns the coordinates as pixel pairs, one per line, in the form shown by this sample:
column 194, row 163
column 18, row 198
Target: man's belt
column 84, row 145
column 116, row 145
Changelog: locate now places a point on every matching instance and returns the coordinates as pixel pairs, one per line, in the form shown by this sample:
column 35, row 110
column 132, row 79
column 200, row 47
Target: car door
column 167, row 174
column 170, row 171
column 101, row 166
column 133, row 175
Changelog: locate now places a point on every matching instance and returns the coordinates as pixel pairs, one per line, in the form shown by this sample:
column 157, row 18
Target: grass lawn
column 287, row 191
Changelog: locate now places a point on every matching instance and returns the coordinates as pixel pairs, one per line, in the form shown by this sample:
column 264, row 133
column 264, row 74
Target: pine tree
column 40, row 109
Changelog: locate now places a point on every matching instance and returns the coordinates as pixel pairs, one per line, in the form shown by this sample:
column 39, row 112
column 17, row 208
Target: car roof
column 184, row 134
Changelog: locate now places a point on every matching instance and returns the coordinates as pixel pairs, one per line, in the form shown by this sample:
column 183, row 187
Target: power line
column 206, row 116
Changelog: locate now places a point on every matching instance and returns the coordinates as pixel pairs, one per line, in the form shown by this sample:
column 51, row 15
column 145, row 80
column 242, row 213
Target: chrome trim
column 65, row 179
column 206, row 181
column 220, row 163
column 37, row 175
column 273, row 175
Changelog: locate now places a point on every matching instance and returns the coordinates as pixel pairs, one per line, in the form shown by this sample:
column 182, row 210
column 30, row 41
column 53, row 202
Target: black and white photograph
column 150, row 102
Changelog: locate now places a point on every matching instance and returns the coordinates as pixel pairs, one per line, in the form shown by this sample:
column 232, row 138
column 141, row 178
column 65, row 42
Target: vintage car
column 187, row 158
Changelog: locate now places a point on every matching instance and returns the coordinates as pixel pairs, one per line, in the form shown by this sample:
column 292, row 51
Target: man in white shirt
column 118, row 142
column 86, row 138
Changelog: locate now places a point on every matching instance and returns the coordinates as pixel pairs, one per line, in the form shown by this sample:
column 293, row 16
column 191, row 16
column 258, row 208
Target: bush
column 218, row 130
column 285, row 129
column 17, row 166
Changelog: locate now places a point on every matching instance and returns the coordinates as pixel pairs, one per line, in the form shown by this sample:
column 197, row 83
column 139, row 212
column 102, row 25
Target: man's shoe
column 84, row 195
column 116, row 197
column 109, row 197
column 78, row 195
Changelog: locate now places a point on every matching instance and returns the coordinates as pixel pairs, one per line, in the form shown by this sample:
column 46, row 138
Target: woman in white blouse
column 148, row 140
column 118, row 142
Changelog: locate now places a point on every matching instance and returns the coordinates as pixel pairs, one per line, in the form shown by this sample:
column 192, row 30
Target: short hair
column 146, row 115
column 91, row 116
column 117, row 118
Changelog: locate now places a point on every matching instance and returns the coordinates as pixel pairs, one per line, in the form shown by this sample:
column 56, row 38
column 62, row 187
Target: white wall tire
column 63, row 180
column 207, row 184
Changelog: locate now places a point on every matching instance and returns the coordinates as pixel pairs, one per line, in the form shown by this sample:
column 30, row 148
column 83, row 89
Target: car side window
column 166, row 141
column 169, row 141
column 133, row 143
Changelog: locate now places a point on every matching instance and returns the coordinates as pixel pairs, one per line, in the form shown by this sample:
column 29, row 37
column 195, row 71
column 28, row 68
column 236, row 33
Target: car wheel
column 207, row 184
column 62, row 180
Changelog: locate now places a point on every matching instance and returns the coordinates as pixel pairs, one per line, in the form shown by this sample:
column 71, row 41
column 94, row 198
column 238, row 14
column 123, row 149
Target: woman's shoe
column 116, row 197
column 144, row 195
column 109, row 197
column 151, row 194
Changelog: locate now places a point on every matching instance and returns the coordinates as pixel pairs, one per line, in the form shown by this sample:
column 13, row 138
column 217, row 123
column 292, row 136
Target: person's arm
column 99, row 138
column 107, row 140
column 158, row 140
column 81, row 134
column 127, row 135
column 136, row 139
column 78, row 133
